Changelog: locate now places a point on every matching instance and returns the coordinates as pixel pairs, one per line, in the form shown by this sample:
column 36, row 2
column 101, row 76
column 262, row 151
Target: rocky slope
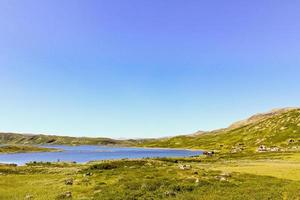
column 278, row 128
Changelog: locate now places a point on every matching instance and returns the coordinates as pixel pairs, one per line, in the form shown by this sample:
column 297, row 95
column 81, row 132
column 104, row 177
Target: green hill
column 22, row 149
column 27, row 139
column 278, row 128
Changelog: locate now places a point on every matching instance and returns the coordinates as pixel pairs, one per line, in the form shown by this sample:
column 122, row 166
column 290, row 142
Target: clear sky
column 139, row 68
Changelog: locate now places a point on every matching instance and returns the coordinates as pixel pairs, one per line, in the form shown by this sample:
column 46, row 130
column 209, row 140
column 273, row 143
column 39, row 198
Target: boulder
column 221, row 178
column 69, row 181
column 28, row 197
column 65, row 195
column 185, row 167
column 88, row 174
column 170, row 193
column 262, row 148
column 274, row 149
column 291, row 141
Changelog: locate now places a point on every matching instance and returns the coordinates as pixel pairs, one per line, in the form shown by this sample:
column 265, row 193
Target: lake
column 86, row 153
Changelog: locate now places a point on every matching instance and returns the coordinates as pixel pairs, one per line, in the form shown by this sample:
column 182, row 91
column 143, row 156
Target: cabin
column 208, row 153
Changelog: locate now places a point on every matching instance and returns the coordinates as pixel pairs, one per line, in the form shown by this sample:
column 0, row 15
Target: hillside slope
column 280, row 128
column 14, row 138
column 25, row 149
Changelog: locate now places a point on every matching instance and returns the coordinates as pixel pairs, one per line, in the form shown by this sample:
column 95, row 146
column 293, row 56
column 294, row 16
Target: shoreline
column 16, row 149
column 130, row 155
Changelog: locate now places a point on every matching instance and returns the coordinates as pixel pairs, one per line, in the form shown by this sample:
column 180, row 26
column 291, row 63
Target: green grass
column 208, row 178
column 24, row 149
column 226, row 175
column 275, row 130
column 29, row 139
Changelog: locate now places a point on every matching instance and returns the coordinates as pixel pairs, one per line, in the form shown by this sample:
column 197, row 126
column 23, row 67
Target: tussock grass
column 208, row 178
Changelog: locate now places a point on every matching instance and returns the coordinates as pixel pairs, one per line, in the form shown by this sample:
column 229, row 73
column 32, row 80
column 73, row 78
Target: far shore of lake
column 11, row 149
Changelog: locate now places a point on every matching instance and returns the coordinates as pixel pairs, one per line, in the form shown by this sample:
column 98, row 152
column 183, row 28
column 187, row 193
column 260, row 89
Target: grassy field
column 265, row 176
column 24, row 149
column 236, row 170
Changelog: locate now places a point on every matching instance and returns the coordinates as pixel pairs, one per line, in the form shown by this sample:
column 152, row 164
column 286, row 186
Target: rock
column 148, row 164
column 225, row 174
column 262, row 148
column 68, row 194
column 221, row 178
column 282, row 128
column 28, row 197
column 88, row 174
column 170, row 193
column 185, row 167
column 69, row 181
column 65, row 195
column 291, row 141
column 236, row 150
column 274, row 149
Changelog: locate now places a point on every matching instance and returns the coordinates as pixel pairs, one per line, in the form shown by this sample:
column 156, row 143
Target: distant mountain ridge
column 30, row 139
column 274, row 128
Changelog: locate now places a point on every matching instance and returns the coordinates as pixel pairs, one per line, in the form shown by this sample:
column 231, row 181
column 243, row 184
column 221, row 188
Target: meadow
column 258, row 158
column 223, row 176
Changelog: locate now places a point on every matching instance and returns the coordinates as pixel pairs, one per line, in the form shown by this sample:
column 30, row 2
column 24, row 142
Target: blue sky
column 133, row 68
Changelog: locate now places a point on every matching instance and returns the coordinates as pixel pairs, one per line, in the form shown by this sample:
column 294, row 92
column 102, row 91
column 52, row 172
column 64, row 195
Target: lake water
column 82, row 154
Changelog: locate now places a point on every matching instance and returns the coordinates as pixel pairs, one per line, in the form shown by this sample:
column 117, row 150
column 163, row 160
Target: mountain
column 277, row 128
column 259, row 117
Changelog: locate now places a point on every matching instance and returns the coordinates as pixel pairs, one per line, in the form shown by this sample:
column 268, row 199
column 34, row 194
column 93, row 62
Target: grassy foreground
column 224, row 176
column 24, row 149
